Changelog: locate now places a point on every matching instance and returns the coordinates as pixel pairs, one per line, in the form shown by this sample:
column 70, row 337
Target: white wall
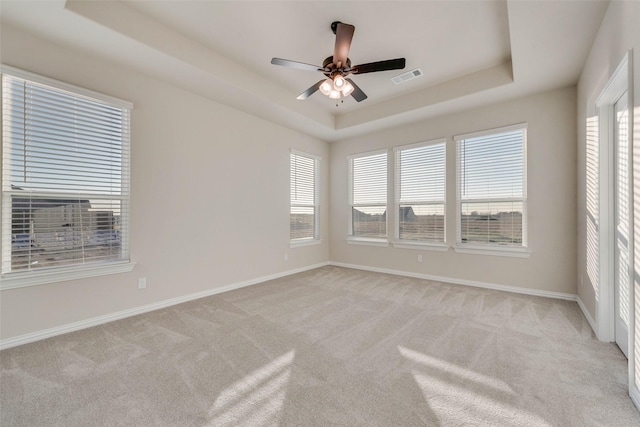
column 619, row 33
column 551, row 194
column 209, row 195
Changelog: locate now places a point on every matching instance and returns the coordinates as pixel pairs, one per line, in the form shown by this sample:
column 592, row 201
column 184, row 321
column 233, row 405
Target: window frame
column 363, row 240
column 46, row 275
column 305, row 241
column 418, row 244
column 522, row 251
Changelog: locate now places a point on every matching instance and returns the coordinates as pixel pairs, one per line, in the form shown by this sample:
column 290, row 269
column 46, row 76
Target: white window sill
column 403, row 244
column 41, row 277
column 493, row 250
column 367, row 241
column 304, row 242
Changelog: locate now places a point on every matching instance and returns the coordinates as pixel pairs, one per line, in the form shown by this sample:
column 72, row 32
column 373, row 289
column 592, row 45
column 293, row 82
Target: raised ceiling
column 251, row 33
column 471, row 53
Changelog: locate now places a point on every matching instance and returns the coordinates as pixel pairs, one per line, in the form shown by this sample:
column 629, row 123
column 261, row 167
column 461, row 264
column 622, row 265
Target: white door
column 621, row 267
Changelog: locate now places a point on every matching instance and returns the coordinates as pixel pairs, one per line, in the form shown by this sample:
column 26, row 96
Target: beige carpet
column 329, row 347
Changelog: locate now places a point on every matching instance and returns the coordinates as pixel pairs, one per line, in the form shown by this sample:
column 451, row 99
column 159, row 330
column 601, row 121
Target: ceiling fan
column 337, row 67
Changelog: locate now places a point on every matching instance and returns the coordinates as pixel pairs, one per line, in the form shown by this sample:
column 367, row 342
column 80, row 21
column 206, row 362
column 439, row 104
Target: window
column 65, row 178
column 492, row 195
column 368, row 195
column 420, row 192
column 303, row 217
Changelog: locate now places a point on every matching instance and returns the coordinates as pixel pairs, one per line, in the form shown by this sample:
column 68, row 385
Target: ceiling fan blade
column 372, row 67
column 344, row 34
column 296, row 64
column 357, row 93
column 313, row 89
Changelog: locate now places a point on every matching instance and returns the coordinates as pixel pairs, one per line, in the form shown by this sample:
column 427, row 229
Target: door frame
column 620, row 81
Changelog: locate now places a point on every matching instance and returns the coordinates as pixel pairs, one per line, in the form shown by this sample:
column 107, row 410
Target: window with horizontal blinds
column 420, row 192
column 492, row 187
column 304, row 187
column 65, row 175
column 368, row 195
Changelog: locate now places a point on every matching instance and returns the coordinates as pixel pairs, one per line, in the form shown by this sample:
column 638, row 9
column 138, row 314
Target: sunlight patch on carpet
column 460, row 395
column 256, row 399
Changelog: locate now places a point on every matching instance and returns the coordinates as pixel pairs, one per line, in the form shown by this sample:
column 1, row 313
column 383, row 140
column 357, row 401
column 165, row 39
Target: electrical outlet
column 142, row 283
column 419, row 258
column 286, row 257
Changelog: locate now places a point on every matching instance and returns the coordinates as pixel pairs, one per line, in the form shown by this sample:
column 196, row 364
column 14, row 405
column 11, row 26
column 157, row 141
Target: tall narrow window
column 492, row 192
column 304, row 188
column 420, row 192
column 368, row 195
column 65, row 176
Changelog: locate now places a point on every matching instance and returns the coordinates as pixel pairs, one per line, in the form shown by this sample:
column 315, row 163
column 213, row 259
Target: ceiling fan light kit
column 337, row 67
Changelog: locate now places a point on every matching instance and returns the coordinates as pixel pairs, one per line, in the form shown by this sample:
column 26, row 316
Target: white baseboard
column 513, row 289
column 586, row 313
column 95, row 321
column 634, row 393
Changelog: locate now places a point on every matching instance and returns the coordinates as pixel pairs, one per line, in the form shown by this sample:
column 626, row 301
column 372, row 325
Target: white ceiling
column 471, row 52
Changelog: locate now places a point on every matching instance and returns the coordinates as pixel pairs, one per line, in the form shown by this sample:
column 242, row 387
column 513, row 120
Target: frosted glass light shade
column 347, row 89
column 326, row 87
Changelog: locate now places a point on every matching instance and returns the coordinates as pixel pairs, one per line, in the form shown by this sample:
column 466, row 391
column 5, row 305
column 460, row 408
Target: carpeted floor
column 329, row 347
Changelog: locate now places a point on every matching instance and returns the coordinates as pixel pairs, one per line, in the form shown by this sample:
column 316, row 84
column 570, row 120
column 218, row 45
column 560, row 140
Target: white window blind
column 368, row 195
column 304, row 197
column 492, row 187
column 420, row 192
column 65, row 175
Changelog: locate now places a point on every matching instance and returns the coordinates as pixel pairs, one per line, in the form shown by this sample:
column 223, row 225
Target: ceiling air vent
column 405, row 77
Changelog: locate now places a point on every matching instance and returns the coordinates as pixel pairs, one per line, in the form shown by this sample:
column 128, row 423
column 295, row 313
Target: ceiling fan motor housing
column 329, row 60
